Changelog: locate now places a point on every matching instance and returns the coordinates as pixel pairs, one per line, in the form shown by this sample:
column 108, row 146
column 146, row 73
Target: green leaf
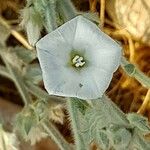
column 41, row 109
column 81, row 105
column 139, row 121
column 91, row 16
column 25, row 121
column 28, row 124
column 66, row 9
column 18, row 125
column 32, row 21
column 102, row 139
column 100, row 117
column 142, row 144
column 120, row 137
column 48, row 13
column 33, row 73
column 138, row 142
column 130, row 69
column 27, row 56
column 50, row 18
column 105, row 113
column 4, row 34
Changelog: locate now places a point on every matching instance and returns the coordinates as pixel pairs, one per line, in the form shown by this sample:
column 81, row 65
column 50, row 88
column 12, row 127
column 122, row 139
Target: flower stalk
column 133, row 71
column 56, row 136
column 73, row 109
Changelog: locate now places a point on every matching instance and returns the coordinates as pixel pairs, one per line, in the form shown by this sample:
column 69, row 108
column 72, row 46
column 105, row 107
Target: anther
column 78, row 61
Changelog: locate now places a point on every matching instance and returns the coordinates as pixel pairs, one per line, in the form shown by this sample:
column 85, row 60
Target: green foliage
column 29, row 121
column 32, row 21
column 33, row 124
column 102, row 139
column 81, row 105
column 107, row 126
column 99, row 121
column 75, row 114
column 45, row 14
column 22, row 68
column 33, row 73
column 66, row 9
column 120, row 138
column 25, row 121
column 23, row 54
column 91, row 16
column 133, row 71
column 4, row 34
column 140, row 122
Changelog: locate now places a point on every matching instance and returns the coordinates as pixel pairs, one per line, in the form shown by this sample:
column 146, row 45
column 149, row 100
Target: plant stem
column 56, row 136
column 67, row 9
column 133, row 71
column 16, row 34
column 17, row 80
column 35, row 90
column 73, row 111
column 41, row 94
column 4, row 72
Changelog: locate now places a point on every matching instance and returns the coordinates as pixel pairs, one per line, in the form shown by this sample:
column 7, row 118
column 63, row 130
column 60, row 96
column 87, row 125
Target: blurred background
column 127, row 21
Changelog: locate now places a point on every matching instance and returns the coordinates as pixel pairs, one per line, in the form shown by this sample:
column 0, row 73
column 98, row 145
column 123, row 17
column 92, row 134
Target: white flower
column 78, row 60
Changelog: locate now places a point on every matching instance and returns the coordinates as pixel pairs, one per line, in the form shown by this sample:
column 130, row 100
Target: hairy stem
column 133, row 71
column 67, row 9
column 16, row 34
column 41, row 94
column 56, row 136
column 33, row 89
column 73, row 111
column 4, row 72
column 17, row 79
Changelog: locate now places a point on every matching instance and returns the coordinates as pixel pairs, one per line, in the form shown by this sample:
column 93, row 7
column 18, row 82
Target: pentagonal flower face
column 78, row 60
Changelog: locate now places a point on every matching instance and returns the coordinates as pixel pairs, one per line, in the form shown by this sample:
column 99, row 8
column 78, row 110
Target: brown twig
column 144, row 105
column 102, row 13
column 92, row 5
column 16, row 34
column 130, row 41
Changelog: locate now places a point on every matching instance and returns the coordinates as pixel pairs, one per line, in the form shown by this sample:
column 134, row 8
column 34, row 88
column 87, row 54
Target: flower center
column 78, row 61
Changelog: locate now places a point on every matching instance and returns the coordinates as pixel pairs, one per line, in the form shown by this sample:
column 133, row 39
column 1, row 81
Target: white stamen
column 78, row 61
